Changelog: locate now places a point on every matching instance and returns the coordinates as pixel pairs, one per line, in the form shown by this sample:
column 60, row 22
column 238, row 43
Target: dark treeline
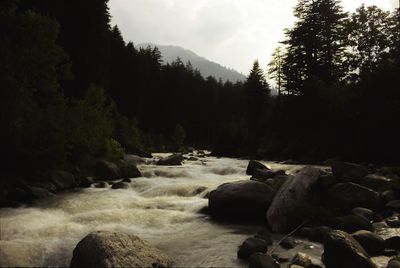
column 71, row 87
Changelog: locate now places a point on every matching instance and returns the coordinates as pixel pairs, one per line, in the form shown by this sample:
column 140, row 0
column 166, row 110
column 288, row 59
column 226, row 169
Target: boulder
column 109, row 249
column 347, row 196
column 260, row 260
column 348, row 171
column 353, row 223
column 377, row 182
column 240, row 200
column 172, row 160
column 281, row 257
column 130, row 171
column 295, row 191
column 250, row 246
column 253, row 165
column 120, row 185
column 100, row 184
column 86, row 182
column 133, row 159
column 393, row 205
column 62, row 179
column 107, row 170
column 393, row 222
column 393, row 263
column 393, row 243
column 365, row 213
column 264, row 235
column 371, row 242
column 342, row 250
column 319, row 234
column 380, row 225
column 38, row 192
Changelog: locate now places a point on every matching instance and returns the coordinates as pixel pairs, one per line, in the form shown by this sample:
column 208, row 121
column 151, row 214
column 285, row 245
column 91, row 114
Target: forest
column 72, row 88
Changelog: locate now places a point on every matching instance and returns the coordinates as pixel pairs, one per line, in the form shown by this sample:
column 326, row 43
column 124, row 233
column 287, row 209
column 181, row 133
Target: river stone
column 353, row 223
column 371, row 242
column 133, row 159
column 100, row 184
column 172, row 160
column 393, row 263
column 109, row 249
column 39, row 192
column 130, row 171
column 120, row 185
column 86, row 182
column 342, row 250
column 348, row 171
column 253, row 165
column 365, row 213
column 107, row 170
column 260, row 260
column 388, row 196
column 347, row 196
column 288, row 243
column 301, row 259
column 377, row 182
column 319, row 234
column 291, row 194
column 240, row 200
column 250, row 246
column 62, row 179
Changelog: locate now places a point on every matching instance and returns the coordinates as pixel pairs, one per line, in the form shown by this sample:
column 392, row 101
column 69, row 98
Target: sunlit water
column 162, row 207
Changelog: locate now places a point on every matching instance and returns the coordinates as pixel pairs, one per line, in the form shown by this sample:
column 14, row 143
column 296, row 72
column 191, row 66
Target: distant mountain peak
column 206, row 67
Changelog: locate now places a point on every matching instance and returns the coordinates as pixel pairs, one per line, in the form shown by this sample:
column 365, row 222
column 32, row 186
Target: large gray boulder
column 348, row 171
column 172, row 160
column 108, row 249
column 347, row 196
column 129, row 170
column 254, row 165
column 62, row 179
column 240, row 200
column 291, row 194
column 106, row 170
column 342, row 250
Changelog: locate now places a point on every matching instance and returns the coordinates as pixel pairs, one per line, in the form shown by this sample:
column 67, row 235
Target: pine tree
column 275, row 69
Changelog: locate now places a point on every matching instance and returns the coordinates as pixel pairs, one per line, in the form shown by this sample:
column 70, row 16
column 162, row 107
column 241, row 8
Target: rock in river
column 291, row 194
column 108, row 249
column 253, row 165
column 240, row 200
column 172, row 160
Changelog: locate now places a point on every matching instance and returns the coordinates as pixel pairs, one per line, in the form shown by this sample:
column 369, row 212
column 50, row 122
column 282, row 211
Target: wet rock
column 372, row 243
column 348, row 171
column 120, row 185
column 107, row 170
column 319, row 234
column 301, row 259
column 127, row 180
column 393, row 205
column 108, row 249
column 353, row 223
column 326, row 181
column 130, row 171
column 62, row 179
column 342, row 250
column 133, row 159
column 264, row 235
column 100, row 184
column 347, row 196
column 393, row 243
column 292, row 193
column 288, row 243
column 365, row 213
column 240, row 200
column 388, row 196
column 376, row 182
column 250, row 246
column 172, row 160
column 253, row 165
column 260, row 260
column 280, row 257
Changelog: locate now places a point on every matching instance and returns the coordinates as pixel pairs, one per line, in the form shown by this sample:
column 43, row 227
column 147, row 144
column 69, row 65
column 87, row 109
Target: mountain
column 205, row 66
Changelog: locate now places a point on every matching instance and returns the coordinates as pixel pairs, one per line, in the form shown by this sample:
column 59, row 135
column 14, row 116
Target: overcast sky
column 231, row 32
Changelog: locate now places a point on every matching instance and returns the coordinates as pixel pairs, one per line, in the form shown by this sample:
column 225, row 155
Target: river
column 161, row 207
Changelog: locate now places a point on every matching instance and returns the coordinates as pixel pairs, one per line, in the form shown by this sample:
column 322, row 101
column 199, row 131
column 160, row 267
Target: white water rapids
column 161, row 207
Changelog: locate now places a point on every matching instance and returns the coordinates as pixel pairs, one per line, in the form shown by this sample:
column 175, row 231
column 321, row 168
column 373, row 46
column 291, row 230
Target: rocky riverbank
column 343, row 207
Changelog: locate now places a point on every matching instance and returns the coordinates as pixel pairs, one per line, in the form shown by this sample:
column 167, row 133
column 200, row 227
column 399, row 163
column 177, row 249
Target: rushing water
column 162, row 207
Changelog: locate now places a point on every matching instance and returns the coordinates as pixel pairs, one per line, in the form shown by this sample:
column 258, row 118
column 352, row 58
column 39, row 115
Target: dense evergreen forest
column 72, row 87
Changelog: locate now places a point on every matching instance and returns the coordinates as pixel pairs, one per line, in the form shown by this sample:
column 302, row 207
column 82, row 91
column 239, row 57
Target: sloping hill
column 205, row 66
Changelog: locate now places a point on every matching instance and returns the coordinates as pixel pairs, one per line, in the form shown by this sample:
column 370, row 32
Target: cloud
column 231, row 32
